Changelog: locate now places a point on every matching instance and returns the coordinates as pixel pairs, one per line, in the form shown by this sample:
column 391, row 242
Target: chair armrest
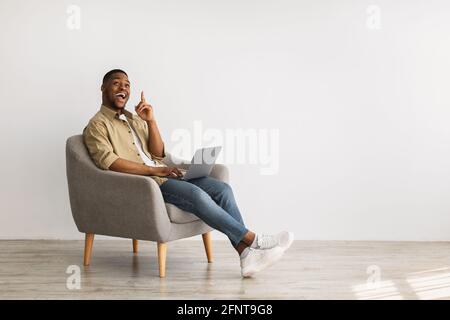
column 116, row 204
column 219, row 171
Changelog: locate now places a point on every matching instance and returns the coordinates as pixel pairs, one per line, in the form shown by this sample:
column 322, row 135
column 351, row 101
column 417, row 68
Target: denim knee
column 226, row 189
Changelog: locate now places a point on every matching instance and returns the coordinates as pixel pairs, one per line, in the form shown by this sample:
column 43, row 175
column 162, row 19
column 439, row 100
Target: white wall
column 363, row 114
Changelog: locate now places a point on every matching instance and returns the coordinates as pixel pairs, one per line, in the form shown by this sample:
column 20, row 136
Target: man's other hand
column 167, row 171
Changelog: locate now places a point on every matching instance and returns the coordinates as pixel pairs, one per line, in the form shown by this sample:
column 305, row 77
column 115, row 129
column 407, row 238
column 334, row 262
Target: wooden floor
column 309, row 270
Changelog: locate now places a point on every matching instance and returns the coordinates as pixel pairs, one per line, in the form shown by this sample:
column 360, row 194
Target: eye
column 127, row 85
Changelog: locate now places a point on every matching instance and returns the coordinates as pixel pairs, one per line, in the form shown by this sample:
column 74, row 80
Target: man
column 120, row 141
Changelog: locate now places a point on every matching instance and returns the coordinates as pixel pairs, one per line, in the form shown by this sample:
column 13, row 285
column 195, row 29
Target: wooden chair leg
column 88, row 242
column 135, row 246
column 162, row 252
column 208, row 246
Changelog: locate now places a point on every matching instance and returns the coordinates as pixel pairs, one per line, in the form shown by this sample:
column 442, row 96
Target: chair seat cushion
column 176, row 215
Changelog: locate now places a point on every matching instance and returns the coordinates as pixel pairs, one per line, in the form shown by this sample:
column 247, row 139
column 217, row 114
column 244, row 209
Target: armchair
column 130, row 206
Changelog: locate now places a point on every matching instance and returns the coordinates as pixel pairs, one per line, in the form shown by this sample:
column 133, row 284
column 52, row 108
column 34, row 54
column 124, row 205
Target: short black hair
column 109, row 74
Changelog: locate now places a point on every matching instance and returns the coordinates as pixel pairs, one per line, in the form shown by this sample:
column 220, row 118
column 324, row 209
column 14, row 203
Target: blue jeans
column 209, row 199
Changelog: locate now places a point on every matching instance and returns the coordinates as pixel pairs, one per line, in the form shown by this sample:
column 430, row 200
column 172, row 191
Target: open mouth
column 121, row 95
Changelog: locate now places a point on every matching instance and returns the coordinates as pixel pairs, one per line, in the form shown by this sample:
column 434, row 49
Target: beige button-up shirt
column 108, row 138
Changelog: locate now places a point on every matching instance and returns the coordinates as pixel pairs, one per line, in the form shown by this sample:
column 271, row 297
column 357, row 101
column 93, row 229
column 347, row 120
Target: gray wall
column 357, row 94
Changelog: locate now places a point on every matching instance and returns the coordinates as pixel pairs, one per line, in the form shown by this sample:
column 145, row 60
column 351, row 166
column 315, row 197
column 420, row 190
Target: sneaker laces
column 266, row 241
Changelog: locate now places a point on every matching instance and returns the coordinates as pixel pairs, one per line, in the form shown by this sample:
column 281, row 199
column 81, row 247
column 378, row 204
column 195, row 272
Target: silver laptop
column 202, row 163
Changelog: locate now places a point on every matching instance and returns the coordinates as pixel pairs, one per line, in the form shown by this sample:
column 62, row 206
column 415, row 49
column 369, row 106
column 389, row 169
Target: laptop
column 202, row 163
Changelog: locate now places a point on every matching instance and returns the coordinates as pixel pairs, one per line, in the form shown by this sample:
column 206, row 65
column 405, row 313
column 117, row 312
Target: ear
column 102, row 88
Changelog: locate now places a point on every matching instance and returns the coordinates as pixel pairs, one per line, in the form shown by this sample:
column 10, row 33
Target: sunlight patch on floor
column 432, row 284
column 382, row 290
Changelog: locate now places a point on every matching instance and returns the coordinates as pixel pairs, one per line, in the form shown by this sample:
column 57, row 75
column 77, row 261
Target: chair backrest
column 76, row 151
column 80, row 170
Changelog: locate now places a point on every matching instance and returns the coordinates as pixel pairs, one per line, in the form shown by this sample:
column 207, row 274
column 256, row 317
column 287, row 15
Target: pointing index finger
column 142, row 96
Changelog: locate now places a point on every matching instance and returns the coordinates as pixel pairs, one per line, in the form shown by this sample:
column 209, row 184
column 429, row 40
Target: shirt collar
column 112, row 114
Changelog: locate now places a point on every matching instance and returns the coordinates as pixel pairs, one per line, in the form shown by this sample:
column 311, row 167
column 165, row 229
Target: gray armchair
column 129, row 206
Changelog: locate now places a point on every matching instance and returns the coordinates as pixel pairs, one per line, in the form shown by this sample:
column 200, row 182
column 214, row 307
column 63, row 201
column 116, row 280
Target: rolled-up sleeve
column 97, row 142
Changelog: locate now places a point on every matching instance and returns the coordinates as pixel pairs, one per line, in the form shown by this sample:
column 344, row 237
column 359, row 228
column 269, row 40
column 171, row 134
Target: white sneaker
column 283, row 239
column 257, row 260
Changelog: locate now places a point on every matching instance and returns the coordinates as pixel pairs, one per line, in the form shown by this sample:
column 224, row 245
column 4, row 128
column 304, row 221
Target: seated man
column 120, row 141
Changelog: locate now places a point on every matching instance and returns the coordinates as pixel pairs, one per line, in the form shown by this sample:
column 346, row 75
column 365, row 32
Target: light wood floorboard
column 36, row 269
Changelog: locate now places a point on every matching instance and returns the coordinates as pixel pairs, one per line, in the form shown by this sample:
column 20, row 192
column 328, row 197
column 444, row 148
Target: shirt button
column 129, row 131
column 133, row 142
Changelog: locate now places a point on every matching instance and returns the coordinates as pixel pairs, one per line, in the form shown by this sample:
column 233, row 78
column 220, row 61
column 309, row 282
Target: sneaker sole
column 289, row 242
column 261, row 266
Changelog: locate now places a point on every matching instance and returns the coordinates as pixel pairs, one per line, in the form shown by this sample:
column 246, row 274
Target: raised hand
column 144, row 109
